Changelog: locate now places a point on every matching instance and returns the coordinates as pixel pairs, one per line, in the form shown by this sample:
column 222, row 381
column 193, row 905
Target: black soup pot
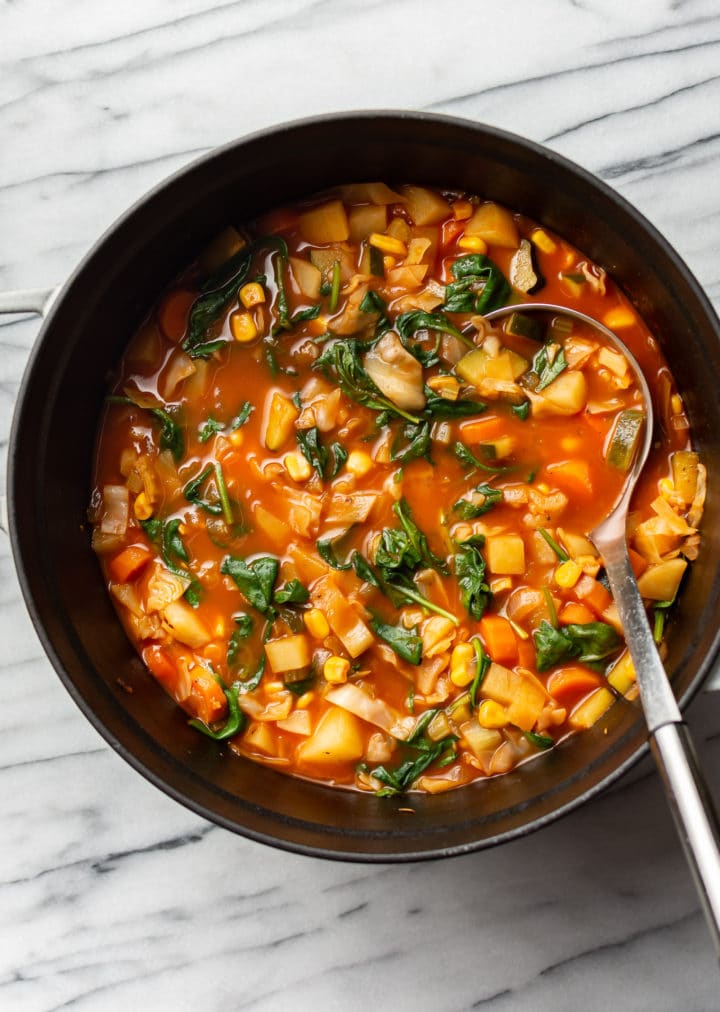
column 53, row 439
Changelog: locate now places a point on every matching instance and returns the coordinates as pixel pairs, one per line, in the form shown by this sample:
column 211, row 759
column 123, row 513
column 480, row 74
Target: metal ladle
column 689, row 799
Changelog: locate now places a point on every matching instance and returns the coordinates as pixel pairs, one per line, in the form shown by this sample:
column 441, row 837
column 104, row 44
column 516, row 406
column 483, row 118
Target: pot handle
column 31, row 300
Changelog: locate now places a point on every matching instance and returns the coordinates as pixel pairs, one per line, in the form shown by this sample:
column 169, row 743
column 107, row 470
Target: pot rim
column 25, row 580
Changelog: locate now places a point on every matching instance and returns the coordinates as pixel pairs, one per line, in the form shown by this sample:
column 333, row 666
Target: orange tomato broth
column 275, row 515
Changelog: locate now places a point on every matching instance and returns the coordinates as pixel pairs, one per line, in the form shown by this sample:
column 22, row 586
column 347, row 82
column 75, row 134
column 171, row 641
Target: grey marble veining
column 111, row 895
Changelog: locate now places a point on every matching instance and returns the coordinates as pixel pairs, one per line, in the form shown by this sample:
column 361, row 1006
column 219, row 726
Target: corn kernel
column 462, row 671
column 472, row 243
column 567, row 574
column 359, row 463
column 297, row 466
column 619, row 317
column 243, row 327
column 252, row 294
column 462, row 210
column 491, row 714
column 142, row 508
column 543, row 241
column 305, row 700
column 542, row 486
column 388, row 244
column 336, row 669
column 236, row 438
column 316, row 624
column 676, row 404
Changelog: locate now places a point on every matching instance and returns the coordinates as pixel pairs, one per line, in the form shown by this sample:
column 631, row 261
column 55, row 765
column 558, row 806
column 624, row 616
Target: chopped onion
column 352, row 698
column 115, row 510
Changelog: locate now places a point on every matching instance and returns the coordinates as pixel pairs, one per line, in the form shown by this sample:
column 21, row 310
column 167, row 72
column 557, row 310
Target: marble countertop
column 112, row 895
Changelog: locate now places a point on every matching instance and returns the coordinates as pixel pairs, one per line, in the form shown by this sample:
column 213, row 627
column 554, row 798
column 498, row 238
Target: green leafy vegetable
column 171, row 435
column 407, row 324
column 470, row 573
column 548, row 363
column 542, row 741
column 561, row 554
column 236, row 719
column 405, row 642
column 166, row 535
column 341, row 361
column 338, row 456
column 244, row 629
column 311, row 313
column 589, row 643
column 401, row 779
column 521, row 410
column 312, row 449
column 468, row 459
column 210, row 428
column 479, row 286
column 372, row 303
column 326, row 551
column 401, row 551
column 417, row 443
column 255, row 580
column 482, row 663
column 292, row 593
column 470, row 509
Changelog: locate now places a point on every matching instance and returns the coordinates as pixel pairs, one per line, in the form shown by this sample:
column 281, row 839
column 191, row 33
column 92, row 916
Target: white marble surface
column 110, row 894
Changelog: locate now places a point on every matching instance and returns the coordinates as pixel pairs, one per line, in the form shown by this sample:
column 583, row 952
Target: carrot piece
column 527, row 656
column 575, row 614
column 592, row 593
column 174, row 312
column 206, row 700
column 450, row 231
column 638, row 563
column 129, row 563
column 568, row 684
column 161, row 666
column 573, row 476
column 499, row 639
column 482, row 430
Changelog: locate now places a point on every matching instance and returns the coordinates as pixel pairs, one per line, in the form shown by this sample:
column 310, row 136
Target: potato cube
column 326, row 223
column 289, row 653
column 568, row 393
column 337, row 738
column 505, row 554
column 280, row 421
column 495, row 225
column 424, row 206
column 660, row 583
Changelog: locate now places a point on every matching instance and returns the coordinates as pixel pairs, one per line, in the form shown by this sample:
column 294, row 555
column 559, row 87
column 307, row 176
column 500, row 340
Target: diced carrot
column 575, row 614
column 527, row 656
column 638, row 563
column 592, row 593
column 161, row 665
column 573, row 476
column 206, row 700
column 174, row 312
column 482, row 430
column 567, row 685
column 450, row 231
column 499, row 639
column 129, row 563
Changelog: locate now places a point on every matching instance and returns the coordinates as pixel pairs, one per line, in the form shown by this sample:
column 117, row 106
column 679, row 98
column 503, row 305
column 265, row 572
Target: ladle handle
column 688, row 796
column 695, row 818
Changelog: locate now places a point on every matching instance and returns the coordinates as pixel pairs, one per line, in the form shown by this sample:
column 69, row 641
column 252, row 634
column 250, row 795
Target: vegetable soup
column 344, row 518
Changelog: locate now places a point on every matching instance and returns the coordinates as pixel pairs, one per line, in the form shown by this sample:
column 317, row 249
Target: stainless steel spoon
column 690, row 803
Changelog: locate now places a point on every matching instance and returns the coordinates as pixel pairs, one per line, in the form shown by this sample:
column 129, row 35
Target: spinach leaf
column 482, row 663
column 399, row 780
column 244, row 629
column 542, row 741
column 440, row 408
column 193, row 492
column 312, row 449
column 470, row 573
column 521, row 410
column 479, row 286
column 550, row 540
column 292, row 593
column 468, row 459
column 338, row 456
column 236, row 719
column 405, row 642
column 418, row 443
column 548, row 363
column 372, row 303
column 402, row 551
column 246, row 409
column 326, row 551
column 589, row 643
column 470, row 509
column 407, row 324
column 255, row 580
column 210, row 428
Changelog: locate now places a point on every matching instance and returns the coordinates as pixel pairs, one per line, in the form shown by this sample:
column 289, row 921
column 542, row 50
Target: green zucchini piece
column 524, row 273
column 625, row 439
column 521, row 325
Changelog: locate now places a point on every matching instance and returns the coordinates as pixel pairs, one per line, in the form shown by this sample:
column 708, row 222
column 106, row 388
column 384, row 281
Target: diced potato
column 660, row 582
column 591, row 709
column 374, row 193
column 521, row 692
column 183, row 623
column 495, row 225
column 499, row 366
column 289, row 653
column 259, row 737
column 307, row 276
column 337, row 738
column 480, row 740
column 326, row 223
column 505, row 554
column 366, row 219
column 568, row 393
column 345, row 510
column 299, row 722
column 613, row 361
column 280, row 421
column 271, row 525
column 343, row 618
column 424, row 206
column 622, row 675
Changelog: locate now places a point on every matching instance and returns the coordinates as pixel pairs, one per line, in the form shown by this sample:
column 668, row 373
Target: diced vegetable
column 495, row 225
column 685, row 474
column 290, row 653
column 524, row 273
column 505, row 554
column 325, row 223
column 181, row 621
column 280, row 421
column 396, row 373
column 661, row 582
column 425, row 207
column 375, row 711
column 344, row 620
column 307, row 276
column 568, row 393
column 591, row 710
column 625, row 439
